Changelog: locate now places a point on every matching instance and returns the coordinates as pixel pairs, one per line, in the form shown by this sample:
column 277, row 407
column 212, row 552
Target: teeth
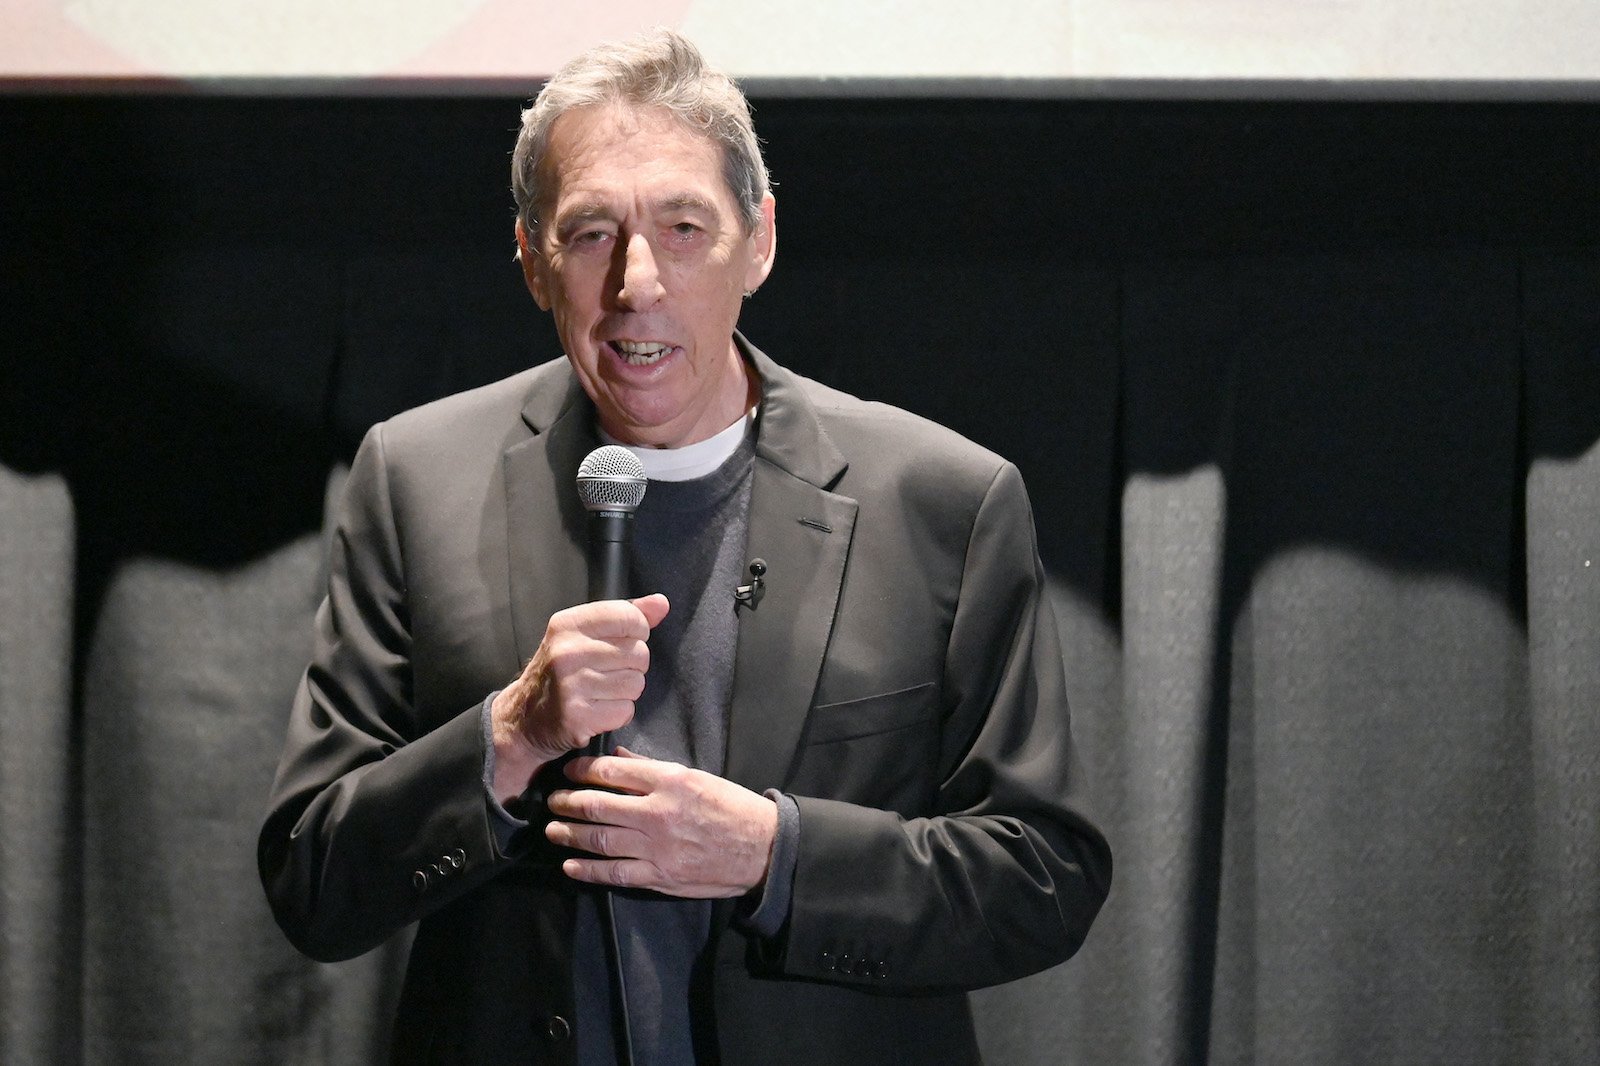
column 641, row 353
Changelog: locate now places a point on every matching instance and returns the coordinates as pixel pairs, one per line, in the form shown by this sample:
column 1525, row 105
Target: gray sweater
column 689, row 543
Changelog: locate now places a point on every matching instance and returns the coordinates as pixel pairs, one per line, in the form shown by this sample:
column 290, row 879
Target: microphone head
column 611, row 478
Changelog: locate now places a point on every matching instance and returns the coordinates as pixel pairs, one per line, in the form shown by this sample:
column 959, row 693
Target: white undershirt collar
column 691, row 460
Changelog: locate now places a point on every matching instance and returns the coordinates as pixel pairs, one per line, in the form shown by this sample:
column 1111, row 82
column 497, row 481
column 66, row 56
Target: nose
column 641, row 281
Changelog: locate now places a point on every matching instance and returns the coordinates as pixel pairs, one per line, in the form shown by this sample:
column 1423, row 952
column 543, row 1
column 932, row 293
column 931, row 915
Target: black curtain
column 1308, row 401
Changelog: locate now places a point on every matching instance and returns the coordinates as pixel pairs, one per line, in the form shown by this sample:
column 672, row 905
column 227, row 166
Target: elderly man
column 831, row 808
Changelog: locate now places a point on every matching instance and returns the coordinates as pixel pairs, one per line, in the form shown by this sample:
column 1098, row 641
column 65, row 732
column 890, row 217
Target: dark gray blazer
column 902, row 678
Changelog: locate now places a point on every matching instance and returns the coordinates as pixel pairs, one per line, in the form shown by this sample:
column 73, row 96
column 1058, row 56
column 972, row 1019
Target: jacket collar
column 789, row 434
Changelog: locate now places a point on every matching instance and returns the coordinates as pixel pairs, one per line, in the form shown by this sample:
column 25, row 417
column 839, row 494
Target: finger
column 595, row 806
column 618, row 873
column 597, row 686
column 590, row 659
column 654, row 608
column 611, row 620
column 609, row 841
column 603, row 716
column 623, row 773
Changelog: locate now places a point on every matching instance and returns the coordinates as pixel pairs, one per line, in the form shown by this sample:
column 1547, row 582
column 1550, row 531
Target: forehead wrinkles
column 591, row 148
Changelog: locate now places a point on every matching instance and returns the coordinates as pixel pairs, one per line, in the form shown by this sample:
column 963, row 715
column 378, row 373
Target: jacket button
column 419, row 880
column 882, row 970
column 557, row 1028
column 827, row 960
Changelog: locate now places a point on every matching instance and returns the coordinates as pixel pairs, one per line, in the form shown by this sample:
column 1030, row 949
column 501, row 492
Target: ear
column 533, row 268
column 764, row 246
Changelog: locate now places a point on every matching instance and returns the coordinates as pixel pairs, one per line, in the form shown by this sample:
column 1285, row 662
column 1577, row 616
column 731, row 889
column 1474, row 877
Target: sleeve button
column 557, row 1028
column 458, row 858
column 419, row 880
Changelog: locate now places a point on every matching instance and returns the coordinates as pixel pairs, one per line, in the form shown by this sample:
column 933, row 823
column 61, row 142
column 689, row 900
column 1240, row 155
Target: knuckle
column 661, row 818
column 684, row 869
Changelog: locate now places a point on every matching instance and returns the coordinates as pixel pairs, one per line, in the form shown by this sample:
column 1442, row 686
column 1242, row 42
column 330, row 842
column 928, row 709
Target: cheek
column 574, row 302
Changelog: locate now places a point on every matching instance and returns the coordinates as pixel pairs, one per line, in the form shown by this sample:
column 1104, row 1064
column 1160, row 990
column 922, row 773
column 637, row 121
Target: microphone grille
column 611, row 478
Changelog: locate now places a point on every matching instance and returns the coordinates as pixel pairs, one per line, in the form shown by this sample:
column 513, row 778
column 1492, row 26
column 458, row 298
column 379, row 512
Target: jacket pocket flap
column 868, row 715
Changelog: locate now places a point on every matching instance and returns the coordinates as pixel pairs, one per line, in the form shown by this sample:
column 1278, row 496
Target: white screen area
column 892, row 45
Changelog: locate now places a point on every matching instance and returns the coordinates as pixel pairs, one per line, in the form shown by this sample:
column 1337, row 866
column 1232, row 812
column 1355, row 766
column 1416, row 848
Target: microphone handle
column 609, row 534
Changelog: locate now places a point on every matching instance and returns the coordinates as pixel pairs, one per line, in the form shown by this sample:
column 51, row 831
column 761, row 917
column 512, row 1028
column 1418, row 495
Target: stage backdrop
column 1546, row 46
column 1307, row 397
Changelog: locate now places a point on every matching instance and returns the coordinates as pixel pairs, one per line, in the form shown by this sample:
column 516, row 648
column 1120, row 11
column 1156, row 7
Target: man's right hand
column 582, row 682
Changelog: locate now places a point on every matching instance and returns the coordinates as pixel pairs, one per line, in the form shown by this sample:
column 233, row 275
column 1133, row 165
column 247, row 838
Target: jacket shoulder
column 882, row 438
column 489, row 409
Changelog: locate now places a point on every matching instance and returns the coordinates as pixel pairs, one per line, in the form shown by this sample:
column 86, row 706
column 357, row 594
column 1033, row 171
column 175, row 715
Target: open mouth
column 639, row 353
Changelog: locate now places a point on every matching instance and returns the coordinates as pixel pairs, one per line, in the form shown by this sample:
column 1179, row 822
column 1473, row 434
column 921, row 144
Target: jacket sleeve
column 1004, row 874
column 375, row 817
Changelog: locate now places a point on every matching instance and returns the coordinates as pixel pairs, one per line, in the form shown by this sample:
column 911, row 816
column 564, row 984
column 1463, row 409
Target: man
column 832, row 808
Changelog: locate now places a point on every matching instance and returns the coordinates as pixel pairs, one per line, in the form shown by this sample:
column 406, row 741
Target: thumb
column 654, row 607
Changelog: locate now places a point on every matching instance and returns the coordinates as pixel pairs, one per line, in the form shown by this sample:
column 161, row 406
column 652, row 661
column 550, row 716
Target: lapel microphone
column 750, row 595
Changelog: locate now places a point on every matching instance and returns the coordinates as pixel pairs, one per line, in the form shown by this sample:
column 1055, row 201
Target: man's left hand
column 662, row 826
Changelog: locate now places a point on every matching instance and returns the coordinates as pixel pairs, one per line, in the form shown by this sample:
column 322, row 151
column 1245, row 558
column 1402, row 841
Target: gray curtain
column 1342, row 704
column 1326, row 539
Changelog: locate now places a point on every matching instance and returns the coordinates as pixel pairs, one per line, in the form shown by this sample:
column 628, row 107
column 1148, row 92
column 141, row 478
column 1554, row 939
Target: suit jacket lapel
column 798, row 525
column 802, row 530
column 545, row 542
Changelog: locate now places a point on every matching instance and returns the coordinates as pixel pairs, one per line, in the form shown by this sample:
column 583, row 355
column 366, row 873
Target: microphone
column 750, row 595
column 611, row 484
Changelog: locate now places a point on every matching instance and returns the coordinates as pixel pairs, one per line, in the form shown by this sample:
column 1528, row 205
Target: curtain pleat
column 1561, row 321
column 189, row 677
column 39, row 820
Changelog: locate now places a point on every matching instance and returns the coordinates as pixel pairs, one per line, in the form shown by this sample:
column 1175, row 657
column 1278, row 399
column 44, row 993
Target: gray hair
column 660, row 68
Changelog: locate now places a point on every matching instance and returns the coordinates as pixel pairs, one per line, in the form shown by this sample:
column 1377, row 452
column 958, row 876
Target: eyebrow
column 690, row 201
column 578, row 214
column 594, row 211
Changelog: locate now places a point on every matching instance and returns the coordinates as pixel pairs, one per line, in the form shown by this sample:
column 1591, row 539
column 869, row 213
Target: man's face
column 643, row 261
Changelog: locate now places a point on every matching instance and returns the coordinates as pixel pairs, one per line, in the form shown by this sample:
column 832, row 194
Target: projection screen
column 1472, row 48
